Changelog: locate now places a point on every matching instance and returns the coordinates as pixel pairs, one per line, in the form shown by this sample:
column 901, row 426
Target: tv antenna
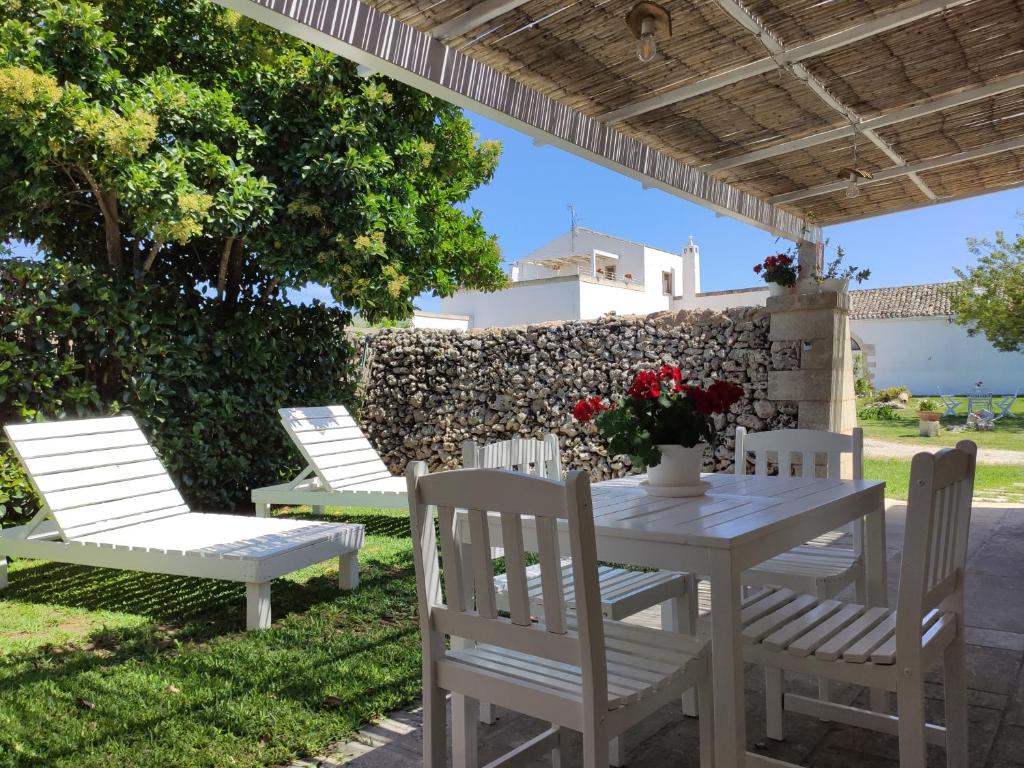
column 573, row 224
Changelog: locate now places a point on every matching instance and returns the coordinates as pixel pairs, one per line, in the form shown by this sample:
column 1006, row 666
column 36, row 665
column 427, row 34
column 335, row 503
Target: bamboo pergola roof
column 763, row 97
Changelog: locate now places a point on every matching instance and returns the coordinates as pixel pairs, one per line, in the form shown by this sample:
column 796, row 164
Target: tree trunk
column 233, row 283
column 112, row 232
column 222, row 272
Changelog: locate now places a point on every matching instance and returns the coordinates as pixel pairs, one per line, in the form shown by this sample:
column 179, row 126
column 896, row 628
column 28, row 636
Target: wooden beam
column 918, row 167
column 775, row 48
column 904, row 15
column 921, row 109
column 367, row 36
column 476, row 16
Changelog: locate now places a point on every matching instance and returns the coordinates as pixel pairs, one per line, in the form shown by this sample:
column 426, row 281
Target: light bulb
column 852, row 188
column 647, row 46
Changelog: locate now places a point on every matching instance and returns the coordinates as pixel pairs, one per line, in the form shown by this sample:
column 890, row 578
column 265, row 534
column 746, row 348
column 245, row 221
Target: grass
column 993, row 482
column 101, row 667
column 1007, row 435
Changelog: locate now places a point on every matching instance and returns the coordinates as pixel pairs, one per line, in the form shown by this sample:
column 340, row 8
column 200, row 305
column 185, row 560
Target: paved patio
column 995, row 618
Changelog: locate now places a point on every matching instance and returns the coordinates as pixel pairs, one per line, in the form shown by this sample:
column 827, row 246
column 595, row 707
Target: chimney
column 691, row 269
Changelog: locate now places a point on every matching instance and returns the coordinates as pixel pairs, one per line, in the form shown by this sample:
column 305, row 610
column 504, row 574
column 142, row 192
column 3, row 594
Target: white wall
column 520, row 304
column 723, row 300
column 440, row 322
column 598, row 299
column 929, row 354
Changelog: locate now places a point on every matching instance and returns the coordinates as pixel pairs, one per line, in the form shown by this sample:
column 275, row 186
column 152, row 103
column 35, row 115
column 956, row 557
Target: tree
column 180, row 143
column 990, row 297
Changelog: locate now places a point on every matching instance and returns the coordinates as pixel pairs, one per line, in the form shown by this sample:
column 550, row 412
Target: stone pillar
column 823, row 386
column 810, row 256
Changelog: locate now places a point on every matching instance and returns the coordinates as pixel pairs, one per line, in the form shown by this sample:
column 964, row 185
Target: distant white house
column 582, row 274
column 906, row 333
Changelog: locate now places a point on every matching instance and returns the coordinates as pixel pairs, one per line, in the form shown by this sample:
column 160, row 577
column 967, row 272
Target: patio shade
column 750, row 108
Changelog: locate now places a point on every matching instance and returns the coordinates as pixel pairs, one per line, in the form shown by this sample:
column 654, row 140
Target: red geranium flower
column 645, row 386
column 589, row 407
column 758, row 268
column 670, row 372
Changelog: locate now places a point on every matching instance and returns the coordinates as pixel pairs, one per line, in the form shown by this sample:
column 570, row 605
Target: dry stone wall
column 429, row 390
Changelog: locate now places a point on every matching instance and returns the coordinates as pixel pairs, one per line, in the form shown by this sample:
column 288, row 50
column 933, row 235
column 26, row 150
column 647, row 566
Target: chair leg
column 824, row 592
column 318, row 510
column 434, row 738
column 679, row 615
column 910, row 709
column 561, row 751
column 617, row 751
column 262, row 510
column 955, row 675
column 773, row 702
column 464, row 738
column 348, row 570
column 706, row 724
column 257, row 605
column 3, row 573
column 595, row 747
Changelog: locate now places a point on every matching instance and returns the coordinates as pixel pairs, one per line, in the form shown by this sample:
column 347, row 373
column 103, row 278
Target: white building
column 906, row 334
column 580, row 275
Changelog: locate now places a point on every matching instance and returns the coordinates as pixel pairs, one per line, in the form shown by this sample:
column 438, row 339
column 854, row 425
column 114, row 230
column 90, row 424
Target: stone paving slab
column 995, row 654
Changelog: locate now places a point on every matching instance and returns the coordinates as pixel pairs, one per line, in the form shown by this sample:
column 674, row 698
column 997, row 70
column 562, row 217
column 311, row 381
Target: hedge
column 204, row 384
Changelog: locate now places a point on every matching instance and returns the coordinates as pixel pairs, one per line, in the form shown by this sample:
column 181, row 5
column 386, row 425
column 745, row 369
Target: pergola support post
column 822, row 387
column 810, row 256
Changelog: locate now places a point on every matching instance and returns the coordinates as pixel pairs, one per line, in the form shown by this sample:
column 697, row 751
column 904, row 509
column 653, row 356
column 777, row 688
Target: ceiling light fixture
column 648, row 21
column 853, row 175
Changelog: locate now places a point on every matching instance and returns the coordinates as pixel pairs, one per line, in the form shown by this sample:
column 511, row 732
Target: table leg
column 876, row 566
column 727, row 661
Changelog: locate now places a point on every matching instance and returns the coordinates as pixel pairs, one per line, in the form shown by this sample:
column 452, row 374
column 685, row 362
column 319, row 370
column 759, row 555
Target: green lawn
column 1008, row 433
column 993, row 482
column 103, row 668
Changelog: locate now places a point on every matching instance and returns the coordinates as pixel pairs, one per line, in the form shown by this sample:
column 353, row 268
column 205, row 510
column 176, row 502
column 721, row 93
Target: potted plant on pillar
column 835, row 278
column 662, row 424
column 780, row 272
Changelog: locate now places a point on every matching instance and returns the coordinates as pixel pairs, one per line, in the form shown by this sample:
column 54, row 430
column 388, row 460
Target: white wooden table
column 741, row 521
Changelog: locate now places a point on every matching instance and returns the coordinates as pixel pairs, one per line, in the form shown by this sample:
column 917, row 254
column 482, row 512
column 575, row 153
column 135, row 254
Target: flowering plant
column 835, row 270
column 658, row 409
column 779, row 268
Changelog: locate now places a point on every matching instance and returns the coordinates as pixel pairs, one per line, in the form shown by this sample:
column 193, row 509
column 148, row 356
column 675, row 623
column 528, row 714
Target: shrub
column 927, row 405
column 862, row 384
column 204, row 384
column 891, row 393
column 879, row 412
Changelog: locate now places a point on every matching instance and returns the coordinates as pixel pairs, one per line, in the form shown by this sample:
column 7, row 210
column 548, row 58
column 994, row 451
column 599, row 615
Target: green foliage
column 927, row 405
column 880, row 412
column 990, row 296
column 204, row 384
column 188, row 146
column 862, row 384
column 891, row 393
column 834, row 270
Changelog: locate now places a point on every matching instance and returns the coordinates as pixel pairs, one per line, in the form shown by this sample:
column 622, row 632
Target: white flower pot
column 775, row 289
column 679, row 466
column 835, row 284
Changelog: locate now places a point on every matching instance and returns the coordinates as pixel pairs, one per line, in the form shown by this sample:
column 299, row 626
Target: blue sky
column 525, row 206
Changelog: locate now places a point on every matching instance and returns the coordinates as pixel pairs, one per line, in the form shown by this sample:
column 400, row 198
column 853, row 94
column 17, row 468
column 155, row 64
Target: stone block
column 810, row 324
column 801, row 385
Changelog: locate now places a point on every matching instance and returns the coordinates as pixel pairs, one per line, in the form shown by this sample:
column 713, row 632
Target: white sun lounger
column 342, row 469
column 109, row 502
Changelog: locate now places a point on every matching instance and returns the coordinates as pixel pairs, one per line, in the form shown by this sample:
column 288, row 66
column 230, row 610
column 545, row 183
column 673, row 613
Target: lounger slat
column 46, row 465
column 338, row 444
column 322, row 424
column 62, row 446
column 55, row 429
column 348, row 458
column 85, row 478
column 82, row 529
column 114, row 510
column 60, row 501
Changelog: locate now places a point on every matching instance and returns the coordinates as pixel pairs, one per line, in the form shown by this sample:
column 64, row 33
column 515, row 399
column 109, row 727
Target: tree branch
column 153, row 251
column 222, row 273
column 268, row 289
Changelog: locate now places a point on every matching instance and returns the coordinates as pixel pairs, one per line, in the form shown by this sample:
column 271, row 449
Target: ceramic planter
column 835, row 284
column 679, row 466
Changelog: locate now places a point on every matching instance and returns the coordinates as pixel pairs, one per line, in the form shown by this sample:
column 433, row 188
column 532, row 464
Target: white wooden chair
column 882, row 648
column 623, row 592
column 342, row 468
column 109, row 502
column 578, row 670
column 950, row 404
column 815, row 566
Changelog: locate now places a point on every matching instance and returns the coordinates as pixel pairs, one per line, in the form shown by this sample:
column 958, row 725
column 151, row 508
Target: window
column 609, row 271
column 666, row 283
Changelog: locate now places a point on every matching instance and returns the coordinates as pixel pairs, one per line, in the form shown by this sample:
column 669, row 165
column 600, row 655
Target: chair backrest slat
column 935, row 541
column 810, row 445
column 541, row 458
column 333, row 444
column 482, row 493
column 95, row 474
